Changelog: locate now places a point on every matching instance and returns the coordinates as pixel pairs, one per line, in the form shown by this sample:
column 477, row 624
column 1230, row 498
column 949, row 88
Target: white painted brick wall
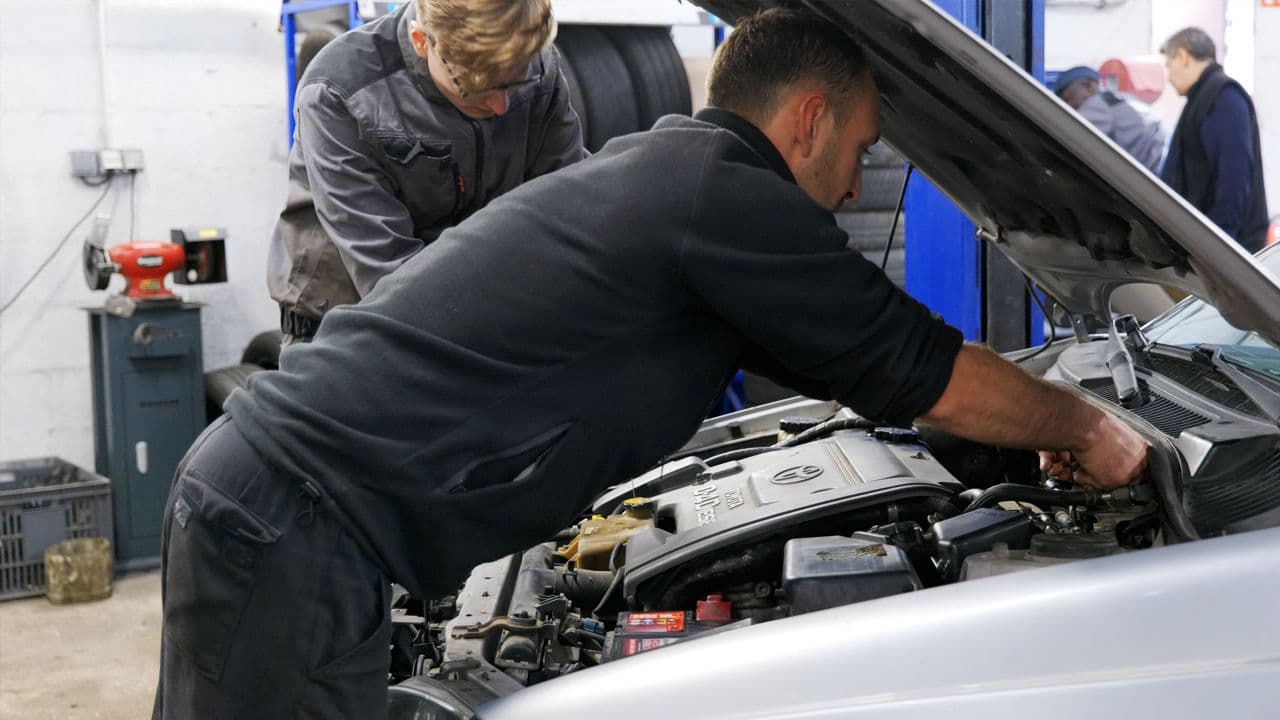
column 199, row 87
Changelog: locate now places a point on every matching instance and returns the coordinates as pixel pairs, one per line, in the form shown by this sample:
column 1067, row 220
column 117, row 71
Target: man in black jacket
column 559, row 341
column 1215, row 156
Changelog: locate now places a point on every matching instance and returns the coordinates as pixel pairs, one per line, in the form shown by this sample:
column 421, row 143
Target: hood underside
column 1066, row 205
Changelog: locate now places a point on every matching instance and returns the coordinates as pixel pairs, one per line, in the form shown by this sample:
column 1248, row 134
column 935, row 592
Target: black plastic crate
column 44, row 501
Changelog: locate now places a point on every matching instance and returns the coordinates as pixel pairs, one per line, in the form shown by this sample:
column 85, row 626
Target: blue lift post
column 972, row 286
column 289, row 10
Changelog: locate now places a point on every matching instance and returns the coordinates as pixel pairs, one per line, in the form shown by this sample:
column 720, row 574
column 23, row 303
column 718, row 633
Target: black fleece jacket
column 573, row 333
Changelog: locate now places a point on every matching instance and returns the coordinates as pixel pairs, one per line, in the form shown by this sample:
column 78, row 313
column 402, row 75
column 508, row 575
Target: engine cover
column 738, row 501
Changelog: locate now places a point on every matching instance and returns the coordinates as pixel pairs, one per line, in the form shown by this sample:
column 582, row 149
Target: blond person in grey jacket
column 406, row 126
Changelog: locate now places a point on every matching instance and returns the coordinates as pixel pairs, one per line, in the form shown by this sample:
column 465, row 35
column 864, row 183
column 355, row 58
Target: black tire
column 609, row 104
column 881, row 155
column 576, row 100
column 881, row 187
column 896, row 268
column 657, row 73
column 219, row 384
column 313, row 41
column 870, row 230
column 263, row 350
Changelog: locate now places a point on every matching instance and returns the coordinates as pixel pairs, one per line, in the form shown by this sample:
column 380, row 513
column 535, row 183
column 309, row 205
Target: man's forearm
column 991, row 400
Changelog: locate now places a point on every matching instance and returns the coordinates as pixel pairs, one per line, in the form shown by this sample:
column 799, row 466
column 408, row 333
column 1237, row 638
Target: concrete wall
column 1089, row 33
column 199, row 88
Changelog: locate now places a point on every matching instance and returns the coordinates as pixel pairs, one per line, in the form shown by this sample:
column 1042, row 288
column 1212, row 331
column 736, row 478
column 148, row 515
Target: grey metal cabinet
column 148, row 405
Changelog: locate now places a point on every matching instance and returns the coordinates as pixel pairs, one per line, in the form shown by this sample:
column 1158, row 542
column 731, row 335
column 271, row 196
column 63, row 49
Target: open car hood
column 1065, row 204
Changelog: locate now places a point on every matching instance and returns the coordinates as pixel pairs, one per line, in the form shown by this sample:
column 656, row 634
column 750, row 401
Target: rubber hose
column 608, row 593
column 817, row 431
column 1036, row 496
column 828, row 427
column 1160, row 469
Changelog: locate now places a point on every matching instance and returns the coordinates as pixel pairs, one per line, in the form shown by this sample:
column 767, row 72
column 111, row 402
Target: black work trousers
column 270, row 609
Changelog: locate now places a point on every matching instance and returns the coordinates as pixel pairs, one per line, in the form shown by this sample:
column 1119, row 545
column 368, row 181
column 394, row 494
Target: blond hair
column 483, row 39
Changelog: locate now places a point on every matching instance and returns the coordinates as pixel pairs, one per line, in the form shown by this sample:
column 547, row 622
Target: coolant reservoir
column 1046, row 550
column 597, row 537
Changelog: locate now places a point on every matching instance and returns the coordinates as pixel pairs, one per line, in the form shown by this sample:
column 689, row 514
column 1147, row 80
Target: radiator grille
column 1167, row 416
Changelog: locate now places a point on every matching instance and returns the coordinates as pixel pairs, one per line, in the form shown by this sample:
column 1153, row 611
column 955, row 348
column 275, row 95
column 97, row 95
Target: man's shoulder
column 1231, row 108
column 357, row 59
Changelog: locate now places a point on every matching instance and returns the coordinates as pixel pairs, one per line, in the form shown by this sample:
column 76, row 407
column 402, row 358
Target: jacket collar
column 749, row 134
column 1208, row 74
column 416, row 64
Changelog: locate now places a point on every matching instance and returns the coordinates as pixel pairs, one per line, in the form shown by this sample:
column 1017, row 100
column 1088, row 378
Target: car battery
column 826, row 572
column 639, row 632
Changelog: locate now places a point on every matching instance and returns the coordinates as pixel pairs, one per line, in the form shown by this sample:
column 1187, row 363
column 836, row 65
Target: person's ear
column 418, row 37
column 813, row 113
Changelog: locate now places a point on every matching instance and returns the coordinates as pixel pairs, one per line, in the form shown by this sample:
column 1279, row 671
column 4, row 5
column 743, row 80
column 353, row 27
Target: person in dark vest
column 562, row 339
column 1116, row 117
column 1215, row 156
column 405, row 126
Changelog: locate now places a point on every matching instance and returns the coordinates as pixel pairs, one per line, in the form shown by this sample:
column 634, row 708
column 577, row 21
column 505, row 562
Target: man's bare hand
column 1117, row 458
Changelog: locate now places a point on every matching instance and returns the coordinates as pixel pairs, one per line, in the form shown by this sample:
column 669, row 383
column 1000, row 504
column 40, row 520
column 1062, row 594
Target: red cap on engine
column 714, row 609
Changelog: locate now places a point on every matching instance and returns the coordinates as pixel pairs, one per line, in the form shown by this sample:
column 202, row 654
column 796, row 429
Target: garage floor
column 94, row 660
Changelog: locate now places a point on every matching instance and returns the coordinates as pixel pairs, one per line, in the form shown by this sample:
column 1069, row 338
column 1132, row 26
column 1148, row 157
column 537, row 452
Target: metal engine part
column 733, row 503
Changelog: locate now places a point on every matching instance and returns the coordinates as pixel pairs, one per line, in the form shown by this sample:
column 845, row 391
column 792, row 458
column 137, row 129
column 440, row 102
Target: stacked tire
column 869, row 220
column 262, row 353
column 621, row 79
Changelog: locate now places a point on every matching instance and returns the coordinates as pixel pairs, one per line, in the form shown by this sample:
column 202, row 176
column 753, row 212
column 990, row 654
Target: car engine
column 801, row 505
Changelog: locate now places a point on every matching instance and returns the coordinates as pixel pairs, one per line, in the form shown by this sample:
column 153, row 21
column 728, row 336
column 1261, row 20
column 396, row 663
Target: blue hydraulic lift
column 289, row 11
column 949, row 269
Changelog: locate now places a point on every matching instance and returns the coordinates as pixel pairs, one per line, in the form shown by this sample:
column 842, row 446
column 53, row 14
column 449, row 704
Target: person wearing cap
column 1138, row 133
column 1215, row 156
column 406, row 126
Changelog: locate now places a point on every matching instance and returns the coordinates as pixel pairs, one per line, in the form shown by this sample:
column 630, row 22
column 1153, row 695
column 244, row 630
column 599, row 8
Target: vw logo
column 797, row 474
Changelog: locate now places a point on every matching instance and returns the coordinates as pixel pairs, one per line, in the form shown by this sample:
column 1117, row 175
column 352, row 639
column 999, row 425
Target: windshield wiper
column 1266, row 399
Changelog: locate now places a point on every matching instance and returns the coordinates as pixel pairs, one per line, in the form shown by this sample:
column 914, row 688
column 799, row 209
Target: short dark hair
column 1195, row 41
column 772, row 51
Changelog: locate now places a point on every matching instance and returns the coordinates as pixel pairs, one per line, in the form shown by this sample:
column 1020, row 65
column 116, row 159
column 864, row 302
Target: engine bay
column 801, row 505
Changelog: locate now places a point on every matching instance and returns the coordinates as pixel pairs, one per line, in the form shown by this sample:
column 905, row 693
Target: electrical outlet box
column 131, row 159
column 110, row 161
column 100, row 163
column 84, row 164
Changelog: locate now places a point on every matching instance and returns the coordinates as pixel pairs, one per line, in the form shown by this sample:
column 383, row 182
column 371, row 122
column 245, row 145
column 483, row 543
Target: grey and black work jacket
column 382, row 162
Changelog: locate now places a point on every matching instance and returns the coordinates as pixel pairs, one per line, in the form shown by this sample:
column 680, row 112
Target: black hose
column 738, row 454
column 1160, row 467
column 608, row 593
column 820, row 430
column 584, row 587
column 1026, row 493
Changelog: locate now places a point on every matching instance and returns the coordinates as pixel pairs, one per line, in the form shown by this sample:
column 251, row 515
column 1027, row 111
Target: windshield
column 1195, row 321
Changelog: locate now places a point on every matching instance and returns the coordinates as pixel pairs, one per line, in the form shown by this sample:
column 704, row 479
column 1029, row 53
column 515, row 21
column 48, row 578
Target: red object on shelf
column 1273, row 236
column 714, row 609
column 144, row 264
column 1143, row 78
